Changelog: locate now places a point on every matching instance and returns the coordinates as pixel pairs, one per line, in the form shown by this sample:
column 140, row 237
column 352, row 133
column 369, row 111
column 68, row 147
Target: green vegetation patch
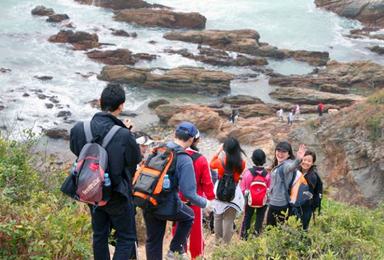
column 377, row 98
column 341, row 232
column 36, row 221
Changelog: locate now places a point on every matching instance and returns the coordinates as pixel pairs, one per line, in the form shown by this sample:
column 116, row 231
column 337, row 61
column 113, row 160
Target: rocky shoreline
column 338, row 85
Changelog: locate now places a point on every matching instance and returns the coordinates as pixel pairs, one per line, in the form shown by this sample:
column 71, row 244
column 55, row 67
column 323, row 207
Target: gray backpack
column 92, row 187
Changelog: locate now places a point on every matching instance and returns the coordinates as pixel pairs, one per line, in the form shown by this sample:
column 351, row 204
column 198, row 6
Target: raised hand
column 300, row 153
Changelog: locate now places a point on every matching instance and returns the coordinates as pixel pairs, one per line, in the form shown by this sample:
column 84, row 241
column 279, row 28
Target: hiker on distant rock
column 123, row 156
column 234, row 115
column 320, row 108
column 255, row 184
column 308, row 168
column 283, row 166
column 279, row 114
column 290, row 118
column 229, row 199
column 296, row 112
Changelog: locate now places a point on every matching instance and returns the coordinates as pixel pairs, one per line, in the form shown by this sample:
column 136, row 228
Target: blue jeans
column 118, row 214
column 156, row 229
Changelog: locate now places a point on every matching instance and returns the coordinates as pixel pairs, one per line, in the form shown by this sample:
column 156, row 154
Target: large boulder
column 119, row 57
column 336, row 77
column 258, row 132
column 41, row 10
column 313, row 97
column 117, row 4
column 57, row 133
column 245, row 41
column 184, row 79
column 378, row 49
column 162, row 18
column 220, row 57
column 315, row 58
column 57, row 18
column 239, row 100
column 369, row 12
column 80, row 40
column 256, row 110
column 205, row 118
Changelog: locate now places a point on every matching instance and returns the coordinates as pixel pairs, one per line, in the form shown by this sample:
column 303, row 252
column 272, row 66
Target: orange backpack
column 154, row 177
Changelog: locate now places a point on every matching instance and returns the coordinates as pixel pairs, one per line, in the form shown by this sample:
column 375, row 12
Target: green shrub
column 377, row 98
column 341, row 232
column 36, row 221
column 375, row 125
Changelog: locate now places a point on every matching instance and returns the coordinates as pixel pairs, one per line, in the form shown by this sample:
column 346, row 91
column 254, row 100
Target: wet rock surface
column 57, row 133
column 185, row 79
column 313, row 97
column 41, row 10
column 119, row 57
column 80, row 40
column 371, row 13
column 378, row 49
column 162, row 18
column 154, row 104
column 336, row 77
column 57, row 18
column 123, row 33
column 246, row 41
column 119, row 4
column 221, row 58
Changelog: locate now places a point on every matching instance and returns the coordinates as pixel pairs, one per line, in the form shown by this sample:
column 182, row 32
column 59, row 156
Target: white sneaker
column 176, row 256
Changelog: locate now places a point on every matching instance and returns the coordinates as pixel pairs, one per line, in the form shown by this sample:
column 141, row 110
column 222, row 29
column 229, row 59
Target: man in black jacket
column 123, row 157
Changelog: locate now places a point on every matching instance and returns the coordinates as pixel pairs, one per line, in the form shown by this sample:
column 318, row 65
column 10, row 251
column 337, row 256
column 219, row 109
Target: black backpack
column 317, row 193
column 226, row 187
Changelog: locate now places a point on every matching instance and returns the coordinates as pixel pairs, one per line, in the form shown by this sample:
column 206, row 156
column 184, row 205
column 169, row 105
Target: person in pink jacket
column 249, row 177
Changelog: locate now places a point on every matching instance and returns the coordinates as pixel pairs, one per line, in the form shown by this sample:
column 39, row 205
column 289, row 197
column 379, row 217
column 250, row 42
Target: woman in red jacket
column 204, row 187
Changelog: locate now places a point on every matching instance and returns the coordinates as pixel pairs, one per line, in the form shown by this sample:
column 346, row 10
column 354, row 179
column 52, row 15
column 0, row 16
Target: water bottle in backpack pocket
column 154, row 177
column 107, row 187
column 91, row 183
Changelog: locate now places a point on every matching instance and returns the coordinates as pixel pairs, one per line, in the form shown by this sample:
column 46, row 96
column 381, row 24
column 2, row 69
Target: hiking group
column 115, row 174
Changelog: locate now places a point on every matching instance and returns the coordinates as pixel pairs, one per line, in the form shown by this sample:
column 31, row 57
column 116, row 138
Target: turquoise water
column 292, row 24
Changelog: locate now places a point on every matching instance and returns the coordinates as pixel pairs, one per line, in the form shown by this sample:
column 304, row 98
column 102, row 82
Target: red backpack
column 257, row 197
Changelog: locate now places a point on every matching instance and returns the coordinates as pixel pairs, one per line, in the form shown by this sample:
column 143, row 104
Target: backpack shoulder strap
column 195, row 156
column 88, row 131
column 288, row 191
column 108, row 137
column 252, row 171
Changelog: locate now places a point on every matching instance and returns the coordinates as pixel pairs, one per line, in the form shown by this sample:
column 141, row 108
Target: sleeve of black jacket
column 77, row 138
column 132, row 155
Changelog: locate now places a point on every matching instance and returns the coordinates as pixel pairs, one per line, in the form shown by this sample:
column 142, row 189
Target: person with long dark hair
column 227, row 160
column 308, row 168
column 282, row 176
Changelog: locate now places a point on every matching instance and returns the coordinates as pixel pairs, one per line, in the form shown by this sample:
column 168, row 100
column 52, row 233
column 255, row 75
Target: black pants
column 248, row 214
column 156, row 229
column 304, row 213
column 118, row 213
column 277, row 214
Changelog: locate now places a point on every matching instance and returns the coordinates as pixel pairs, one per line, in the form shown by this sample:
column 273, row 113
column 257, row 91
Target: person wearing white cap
column 144, row 141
